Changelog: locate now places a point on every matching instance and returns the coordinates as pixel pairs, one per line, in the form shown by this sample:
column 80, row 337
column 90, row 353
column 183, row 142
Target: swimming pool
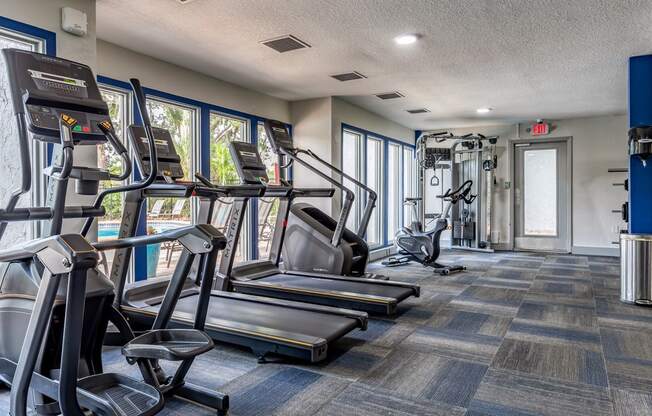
column 110, row 230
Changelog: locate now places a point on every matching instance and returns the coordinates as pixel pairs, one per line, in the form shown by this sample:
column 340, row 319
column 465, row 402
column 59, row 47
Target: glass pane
column 169, row 213
column 394, row 202
column 374, row 181
column 267, row 207
column 540, row 192
column 180, row 122
column 10, row 169
column 351, row 166
column 267, row 154
column 108, row 159
column 409, row 183
column 223, row 130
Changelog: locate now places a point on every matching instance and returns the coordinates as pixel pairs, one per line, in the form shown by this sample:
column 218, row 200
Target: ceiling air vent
column 285, row 43
column 389, row 95
column 348, row 76
column 184, row 1
column 418, row 111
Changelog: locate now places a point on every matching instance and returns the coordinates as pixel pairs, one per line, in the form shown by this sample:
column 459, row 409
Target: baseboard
column 381, row 253
column 596, row 251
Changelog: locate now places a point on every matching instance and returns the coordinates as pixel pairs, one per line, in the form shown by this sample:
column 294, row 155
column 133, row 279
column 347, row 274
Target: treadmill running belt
column 364, row 288
column 316, row 324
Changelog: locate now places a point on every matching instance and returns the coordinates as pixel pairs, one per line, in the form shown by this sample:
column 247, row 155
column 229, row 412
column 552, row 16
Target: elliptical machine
column 55, row 305
column 423, row 246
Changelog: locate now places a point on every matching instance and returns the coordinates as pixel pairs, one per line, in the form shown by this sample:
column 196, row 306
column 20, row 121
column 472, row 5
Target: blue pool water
column 111, row 230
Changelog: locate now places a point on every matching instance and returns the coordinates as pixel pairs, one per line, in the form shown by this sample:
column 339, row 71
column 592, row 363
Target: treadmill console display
column 279, row 136
column 248, row 163
column 45, row 88
column 169, row 161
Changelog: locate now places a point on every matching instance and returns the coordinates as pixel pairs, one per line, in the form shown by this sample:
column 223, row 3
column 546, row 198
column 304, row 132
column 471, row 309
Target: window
column 351, row 165
column 223, row 130
column 409, row 183
column 10, row 168
column 386, row 166
column 119, row 109
column 169, row 213
column 374, row 181
column 394, row 200
column 267, row 207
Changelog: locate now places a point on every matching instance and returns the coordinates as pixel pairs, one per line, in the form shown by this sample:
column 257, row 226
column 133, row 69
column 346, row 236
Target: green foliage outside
column 179, row 121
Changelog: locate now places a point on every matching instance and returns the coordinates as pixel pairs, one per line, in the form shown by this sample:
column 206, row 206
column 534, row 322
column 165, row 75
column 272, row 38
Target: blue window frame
column 23, row 36
column 391, row 150
column 205, row 110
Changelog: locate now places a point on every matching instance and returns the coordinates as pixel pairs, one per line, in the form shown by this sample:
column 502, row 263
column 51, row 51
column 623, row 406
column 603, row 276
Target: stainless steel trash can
column 636, row 268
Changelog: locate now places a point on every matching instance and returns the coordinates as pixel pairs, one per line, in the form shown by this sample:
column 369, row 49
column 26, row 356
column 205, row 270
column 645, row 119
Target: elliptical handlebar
column 107, row 129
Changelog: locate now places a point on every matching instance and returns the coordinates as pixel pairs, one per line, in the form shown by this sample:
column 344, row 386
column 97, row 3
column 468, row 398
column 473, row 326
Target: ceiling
column 525, row 59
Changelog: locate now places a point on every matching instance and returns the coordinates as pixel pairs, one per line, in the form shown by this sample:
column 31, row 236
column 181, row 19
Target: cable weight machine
column 455, row 160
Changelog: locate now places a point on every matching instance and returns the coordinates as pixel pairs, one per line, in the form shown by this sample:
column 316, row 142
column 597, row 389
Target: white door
column 542, row 180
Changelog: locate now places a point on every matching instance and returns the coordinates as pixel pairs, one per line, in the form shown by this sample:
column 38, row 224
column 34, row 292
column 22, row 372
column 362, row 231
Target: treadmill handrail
column 313, row 192
column 233, row 191
column 142, row 240
column 372, row 196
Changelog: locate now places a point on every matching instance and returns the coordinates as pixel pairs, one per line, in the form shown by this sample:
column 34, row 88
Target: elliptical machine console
column 55, row 305
column 424, row 246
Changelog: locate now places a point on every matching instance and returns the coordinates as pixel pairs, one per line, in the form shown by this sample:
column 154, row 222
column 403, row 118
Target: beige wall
column 311, row 128
column 120, row 63
column 317, row 125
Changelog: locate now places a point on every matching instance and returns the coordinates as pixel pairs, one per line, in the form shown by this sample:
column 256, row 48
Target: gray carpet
column 515, row 335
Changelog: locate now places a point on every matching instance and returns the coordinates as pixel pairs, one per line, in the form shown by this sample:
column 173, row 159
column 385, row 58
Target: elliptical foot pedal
column 124, row 395
column 168, row 344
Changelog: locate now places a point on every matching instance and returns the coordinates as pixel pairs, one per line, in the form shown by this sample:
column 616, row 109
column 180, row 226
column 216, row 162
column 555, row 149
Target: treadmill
column 265, row 278
column 264, row 325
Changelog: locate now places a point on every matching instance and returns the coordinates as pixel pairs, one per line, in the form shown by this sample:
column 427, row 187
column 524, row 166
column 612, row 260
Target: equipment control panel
column 45, row 88
column 279, row 136
column 248, row 163
column 169, row 161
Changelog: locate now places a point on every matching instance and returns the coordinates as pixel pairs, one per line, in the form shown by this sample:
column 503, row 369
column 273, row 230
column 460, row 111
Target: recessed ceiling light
column 406, row 39
column 484, row 110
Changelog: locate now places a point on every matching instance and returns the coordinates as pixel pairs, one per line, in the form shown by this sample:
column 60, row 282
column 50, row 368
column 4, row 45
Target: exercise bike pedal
column 168, row 344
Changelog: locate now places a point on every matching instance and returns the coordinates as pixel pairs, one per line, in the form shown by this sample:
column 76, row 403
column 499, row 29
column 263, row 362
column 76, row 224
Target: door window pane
column 374, row 181
column 223, row 130
column 10, row 168
column 409, row 184
column 351, row 166
column 540, row 192
column 169, row 213
column 394, row 202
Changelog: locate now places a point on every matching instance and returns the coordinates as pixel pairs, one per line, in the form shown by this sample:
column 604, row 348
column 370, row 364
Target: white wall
column 47, row 15
column 120, row 63
column 598, row 143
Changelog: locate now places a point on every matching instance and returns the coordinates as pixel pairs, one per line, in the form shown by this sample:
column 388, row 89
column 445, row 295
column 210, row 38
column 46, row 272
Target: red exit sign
column 540, row 129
